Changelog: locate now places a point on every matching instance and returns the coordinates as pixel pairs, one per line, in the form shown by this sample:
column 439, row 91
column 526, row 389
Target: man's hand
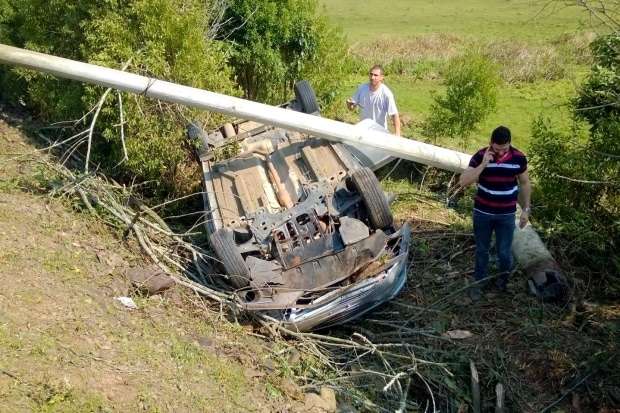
column 471, row 174
column 524, row 218
column 396, row 121
column 351, row 104
column 487, row 157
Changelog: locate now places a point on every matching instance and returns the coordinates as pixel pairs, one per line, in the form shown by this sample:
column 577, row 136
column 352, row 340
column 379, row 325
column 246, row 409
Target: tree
column 471, row 95
column 166, row 39
column 578, row 172
column 277, row 42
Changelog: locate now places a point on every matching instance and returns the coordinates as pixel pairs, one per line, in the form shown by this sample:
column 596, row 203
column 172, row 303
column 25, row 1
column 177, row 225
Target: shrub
column 578, row 172
column 559, row 161
column 597, row 101
column 159, row 37
column 471, row 94
column 275, row 43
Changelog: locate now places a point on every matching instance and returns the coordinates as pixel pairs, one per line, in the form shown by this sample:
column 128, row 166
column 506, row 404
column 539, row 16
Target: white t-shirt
column 375, row 105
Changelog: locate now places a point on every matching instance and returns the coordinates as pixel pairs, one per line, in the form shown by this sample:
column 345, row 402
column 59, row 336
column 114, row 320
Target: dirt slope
column 67, row 345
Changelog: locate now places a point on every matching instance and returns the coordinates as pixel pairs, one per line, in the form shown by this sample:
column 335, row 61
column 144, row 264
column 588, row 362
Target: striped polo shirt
column 497, row 186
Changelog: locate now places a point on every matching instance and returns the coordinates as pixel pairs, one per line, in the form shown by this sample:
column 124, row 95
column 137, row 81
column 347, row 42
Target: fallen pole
column 545, row 278
column 528, row 248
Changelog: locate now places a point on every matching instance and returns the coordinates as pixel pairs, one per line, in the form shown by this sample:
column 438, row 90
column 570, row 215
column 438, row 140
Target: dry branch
column 475, row 387
column 500, row 395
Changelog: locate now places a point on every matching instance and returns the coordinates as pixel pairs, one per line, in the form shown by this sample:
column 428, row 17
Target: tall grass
column 576, row 46
column 520, row 62
column 526, row 62
column 424, row 56
column 419, row 57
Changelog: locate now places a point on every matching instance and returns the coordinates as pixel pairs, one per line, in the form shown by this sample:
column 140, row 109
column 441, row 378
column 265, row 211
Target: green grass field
column 488, row 19
column 517, row 107
column 474, row 24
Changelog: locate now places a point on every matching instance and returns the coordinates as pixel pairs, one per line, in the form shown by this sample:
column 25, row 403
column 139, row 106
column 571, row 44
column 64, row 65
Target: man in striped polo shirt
column 500, row 171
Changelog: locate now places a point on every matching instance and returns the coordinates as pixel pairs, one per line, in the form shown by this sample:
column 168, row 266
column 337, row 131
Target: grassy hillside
column 534, row 349
column 66, row 345
column 518, row 106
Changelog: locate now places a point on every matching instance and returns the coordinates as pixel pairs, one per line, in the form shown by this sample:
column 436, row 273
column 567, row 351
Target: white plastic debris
column 127, row 302
column 458, row 334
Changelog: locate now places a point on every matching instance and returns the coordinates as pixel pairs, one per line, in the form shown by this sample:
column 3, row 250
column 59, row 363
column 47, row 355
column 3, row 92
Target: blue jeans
column 504, row 227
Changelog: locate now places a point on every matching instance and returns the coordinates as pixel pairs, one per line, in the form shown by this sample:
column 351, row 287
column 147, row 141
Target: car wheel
column 373, row 197
column 228, row 130
column 195, row 133
column 224, row 246
column 306, row 97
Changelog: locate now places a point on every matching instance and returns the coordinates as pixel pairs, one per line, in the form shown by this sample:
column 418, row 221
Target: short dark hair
column 378, row 67
column 501, row 135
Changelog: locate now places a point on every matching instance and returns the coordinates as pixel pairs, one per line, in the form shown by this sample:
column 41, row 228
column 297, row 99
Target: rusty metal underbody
column 301, row 228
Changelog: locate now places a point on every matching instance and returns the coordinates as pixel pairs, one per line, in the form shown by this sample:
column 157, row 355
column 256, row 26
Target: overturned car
column 289, row 214
column 300, row 225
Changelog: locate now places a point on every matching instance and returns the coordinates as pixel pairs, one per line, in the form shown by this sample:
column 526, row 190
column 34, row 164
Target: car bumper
column 343, row 305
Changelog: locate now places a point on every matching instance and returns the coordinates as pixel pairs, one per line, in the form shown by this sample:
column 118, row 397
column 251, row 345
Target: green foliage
column 471, row 95
column 50, row 27
column 6, row 14
column 599, row 95
column 578, row 172
column 275, row 43
column 165, row 44
column 552, row 158
column 271, row 43
column 165, row 39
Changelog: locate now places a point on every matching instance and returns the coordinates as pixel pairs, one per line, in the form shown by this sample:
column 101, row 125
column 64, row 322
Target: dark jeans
column 504, row 227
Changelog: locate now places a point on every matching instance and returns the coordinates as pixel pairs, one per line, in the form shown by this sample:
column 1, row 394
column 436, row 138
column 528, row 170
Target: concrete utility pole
column 528, row 248
column 240, row 108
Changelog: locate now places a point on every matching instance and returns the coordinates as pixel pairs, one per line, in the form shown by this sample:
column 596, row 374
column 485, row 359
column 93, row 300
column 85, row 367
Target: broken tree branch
column 98, row 107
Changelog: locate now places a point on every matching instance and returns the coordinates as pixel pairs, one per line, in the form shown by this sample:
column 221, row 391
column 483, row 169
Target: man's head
column 375, row 76
column 500, row 141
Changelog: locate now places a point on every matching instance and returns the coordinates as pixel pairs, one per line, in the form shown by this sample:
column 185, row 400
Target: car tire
column 196, row 134
column 223, row 243
column 369, row 188
column 306, row 97
column 228, row 130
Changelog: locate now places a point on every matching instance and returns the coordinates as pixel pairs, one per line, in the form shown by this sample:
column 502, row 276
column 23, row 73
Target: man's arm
column 525, row 198
column 396, row 122
column 471, row 174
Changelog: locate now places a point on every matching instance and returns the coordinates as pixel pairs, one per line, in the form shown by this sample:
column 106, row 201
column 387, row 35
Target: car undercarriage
column 300, row 225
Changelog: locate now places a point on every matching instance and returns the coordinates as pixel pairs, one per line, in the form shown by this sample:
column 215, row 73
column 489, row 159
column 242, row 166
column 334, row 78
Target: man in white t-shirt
column 376, row 100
